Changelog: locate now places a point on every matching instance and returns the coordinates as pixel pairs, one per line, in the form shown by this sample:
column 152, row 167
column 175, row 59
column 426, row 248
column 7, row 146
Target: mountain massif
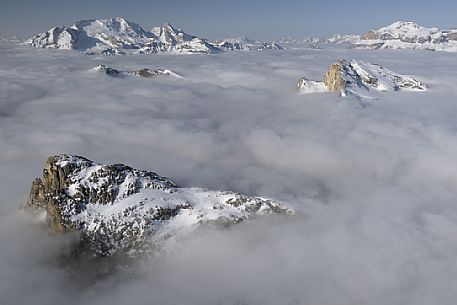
column 405, row 35
column 118, row 210
column 119, row 36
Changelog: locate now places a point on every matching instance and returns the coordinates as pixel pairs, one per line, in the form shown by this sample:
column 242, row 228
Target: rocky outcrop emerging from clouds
column 116, row 209
column 408, row 35
column 147, row 73
column 357, row 77
column 117, row 36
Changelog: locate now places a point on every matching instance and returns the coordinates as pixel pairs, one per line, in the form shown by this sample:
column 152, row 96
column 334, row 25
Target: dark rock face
column 150, row 73
column 47, row 192
column 120, row 210
column 110, row 71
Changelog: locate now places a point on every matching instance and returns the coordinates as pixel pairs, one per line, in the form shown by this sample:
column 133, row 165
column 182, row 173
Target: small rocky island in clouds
column 357, row 78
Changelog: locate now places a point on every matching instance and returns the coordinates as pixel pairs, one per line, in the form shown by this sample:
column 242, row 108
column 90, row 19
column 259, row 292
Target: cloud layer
column 375, row 184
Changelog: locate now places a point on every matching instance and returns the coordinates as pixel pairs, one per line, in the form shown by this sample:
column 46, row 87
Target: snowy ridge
column 118, row 209
column 115, row 36
column 357, row 77
column 408, row 35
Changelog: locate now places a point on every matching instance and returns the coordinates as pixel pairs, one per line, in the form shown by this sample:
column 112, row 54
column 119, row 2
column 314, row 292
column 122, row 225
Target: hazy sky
column 265, row 19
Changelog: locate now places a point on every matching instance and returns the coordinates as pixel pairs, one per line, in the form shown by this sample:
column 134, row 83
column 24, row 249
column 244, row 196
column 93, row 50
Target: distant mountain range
column 403, row 35
column 398, row 35
column 409, row 35
column 119, row 36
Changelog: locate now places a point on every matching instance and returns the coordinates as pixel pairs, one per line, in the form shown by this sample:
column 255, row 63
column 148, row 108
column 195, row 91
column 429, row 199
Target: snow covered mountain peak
column 404, row 25
column 120, row 210
column 408, row 35
column 169, row 34
column 357, row 77
column 405, row 31
column 114, row 26
column 118, row 36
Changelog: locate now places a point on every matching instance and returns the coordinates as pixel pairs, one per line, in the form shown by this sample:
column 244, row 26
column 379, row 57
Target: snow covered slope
column 358, row 77
column 118, row 209
column 408, row 35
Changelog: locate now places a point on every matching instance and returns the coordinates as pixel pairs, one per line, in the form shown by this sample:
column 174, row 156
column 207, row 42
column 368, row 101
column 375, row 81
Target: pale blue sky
column 266, row 19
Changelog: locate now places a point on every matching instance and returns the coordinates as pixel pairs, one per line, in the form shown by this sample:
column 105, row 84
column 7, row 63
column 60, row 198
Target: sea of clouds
column 375, row 183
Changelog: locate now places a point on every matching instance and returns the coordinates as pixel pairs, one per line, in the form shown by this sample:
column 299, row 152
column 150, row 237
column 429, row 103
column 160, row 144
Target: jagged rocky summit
column 118, row 210
column 118, row 36
column 357, row 77
column 407, row 35
column 146, row 72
